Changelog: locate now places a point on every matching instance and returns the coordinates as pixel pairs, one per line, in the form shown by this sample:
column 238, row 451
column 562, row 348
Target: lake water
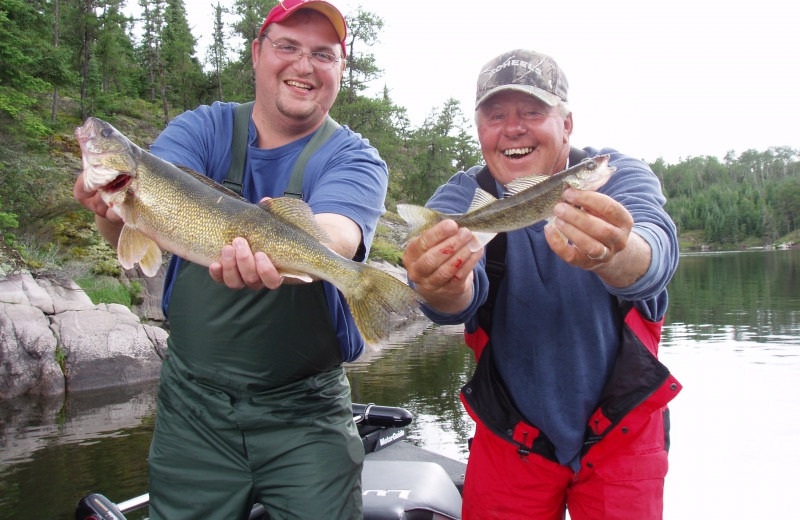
column 732, row 338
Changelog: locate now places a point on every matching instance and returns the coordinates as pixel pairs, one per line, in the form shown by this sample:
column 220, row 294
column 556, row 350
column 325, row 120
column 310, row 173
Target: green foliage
column 61, row 357
column 439, row 148
column 745, row 199
column 8, row 222
column 138, row 74
column 384, row 250
column 106, row 289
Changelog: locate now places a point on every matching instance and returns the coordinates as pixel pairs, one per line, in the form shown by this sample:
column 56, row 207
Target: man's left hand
column 593, row 231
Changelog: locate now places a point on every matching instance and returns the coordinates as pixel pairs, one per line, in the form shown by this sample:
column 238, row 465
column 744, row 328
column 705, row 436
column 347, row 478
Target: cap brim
column 330, row 12
column 547, row 97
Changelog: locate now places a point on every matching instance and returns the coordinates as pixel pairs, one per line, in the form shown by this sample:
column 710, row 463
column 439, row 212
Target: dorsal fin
column 523, row 183
column 297, row 213
column 210, row 182
column 482, row 198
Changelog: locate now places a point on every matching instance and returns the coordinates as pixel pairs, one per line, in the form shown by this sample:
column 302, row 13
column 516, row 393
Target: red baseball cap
column 286, row 8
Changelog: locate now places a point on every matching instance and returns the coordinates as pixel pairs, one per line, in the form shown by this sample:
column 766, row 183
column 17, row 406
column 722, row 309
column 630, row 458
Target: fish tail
column 375, row 298
column 418, row 218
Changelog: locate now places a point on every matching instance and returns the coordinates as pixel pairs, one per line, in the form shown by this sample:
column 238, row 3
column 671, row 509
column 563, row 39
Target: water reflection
column 750, row 296
column 424, row 376
column 55, row 450
column 731, row 337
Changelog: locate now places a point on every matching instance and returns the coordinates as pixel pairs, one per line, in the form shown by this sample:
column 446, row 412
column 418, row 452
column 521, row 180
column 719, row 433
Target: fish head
column 109, row 158
column 592, row 174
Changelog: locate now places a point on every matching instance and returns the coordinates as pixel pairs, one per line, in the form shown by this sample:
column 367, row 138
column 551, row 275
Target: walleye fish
column 165, row 207
column 530, row 199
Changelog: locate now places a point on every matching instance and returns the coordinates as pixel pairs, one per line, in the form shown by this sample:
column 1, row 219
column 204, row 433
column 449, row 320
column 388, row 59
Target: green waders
column 254, row 406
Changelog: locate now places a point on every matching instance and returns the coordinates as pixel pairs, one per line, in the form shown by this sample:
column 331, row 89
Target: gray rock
column 53, row 339
column 28, row 364
column 107, row 347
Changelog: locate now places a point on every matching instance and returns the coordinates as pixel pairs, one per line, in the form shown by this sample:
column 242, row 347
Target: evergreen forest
column 65, row 60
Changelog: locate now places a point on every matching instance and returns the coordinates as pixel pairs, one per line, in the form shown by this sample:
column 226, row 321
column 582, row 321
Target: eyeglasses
column 289, row 52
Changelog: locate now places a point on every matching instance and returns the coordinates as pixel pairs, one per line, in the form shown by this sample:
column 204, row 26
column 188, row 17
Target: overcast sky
column 653, row 79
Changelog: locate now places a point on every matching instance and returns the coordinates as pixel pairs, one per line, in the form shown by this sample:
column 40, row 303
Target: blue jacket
column 345, row 176
column 556, row 328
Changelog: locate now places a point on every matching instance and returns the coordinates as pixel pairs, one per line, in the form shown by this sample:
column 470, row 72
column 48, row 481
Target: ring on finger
column 601, row 257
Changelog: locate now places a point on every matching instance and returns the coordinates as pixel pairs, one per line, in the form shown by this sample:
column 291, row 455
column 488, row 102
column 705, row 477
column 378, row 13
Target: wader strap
column 241, row 126
column 270, row 329
column 295, row 188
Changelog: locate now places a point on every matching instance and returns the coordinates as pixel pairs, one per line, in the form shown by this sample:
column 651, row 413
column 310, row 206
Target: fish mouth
column 95, row 178
column 120, row 182
column 516, row 153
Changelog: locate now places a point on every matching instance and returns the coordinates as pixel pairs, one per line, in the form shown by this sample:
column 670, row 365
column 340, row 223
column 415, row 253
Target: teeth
column 518, row 151
column 298, row 84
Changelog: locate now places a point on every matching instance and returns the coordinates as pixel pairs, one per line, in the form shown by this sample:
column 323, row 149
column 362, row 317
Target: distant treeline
column 752, row 197
column 64, row 60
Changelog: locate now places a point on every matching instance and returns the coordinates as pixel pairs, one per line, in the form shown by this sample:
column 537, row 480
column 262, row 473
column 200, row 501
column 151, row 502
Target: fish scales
column 170, row 208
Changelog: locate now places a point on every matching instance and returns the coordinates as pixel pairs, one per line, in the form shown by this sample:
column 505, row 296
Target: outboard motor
column 97, row 507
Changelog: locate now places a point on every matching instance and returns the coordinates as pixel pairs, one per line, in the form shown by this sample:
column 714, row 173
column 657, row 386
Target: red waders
column 512, row 472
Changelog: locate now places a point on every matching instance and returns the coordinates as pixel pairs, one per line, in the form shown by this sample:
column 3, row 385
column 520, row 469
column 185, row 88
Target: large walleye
column 166, row 207
column 529, row 200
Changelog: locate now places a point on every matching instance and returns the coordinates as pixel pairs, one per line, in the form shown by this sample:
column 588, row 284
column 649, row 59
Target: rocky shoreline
column 54, row 340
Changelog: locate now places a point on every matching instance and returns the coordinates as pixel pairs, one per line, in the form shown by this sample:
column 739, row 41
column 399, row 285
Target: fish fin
column 483, row 237
column 551, row 222
column 133, row 246
column 482, row 198
column 523, row 183
column 298, row 276
column 210, row 182
column 373, row 297
column 419, row 218
column 297, row 213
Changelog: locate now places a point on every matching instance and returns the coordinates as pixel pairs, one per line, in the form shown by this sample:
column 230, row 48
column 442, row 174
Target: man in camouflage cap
column 569, row 399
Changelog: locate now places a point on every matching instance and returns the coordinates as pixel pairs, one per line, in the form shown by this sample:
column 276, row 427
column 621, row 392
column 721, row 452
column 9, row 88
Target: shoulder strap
column 496, row 249
column 295, row 188
column 241, row 124
column 495, row 257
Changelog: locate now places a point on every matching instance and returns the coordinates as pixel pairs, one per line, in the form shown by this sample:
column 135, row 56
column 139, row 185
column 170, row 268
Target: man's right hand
column 440, row 263
column 239, row 267
column 91, row 200
column 109, row 224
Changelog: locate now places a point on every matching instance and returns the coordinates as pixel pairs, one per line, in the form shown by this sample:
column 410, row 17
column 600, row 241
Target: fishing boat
column 399, row 480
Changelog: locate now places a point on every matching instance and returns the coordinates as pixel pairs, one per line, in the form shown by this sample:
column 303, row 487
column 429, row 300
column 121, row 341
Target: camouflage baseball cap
column 526, row 71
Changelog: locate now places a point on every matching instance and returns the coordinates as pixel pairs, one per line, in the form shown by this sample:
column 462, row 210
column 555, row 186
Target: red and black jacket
column 638, row 381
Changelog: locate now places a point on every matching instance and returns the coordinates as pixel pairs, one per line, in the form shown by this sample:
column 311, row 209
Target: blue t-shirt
column 556, row 327
column 345, row 176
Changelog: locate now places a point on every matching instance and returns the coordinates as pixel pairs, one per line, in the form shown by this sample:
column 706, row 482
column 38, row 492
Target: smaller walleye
column 529, row 200
column 166, row 207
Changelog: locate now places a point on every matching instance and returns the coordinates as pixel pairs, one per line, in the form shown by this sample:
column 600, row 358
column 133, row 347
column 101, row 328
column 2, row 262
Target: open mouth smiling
column 516, row 153
column 297, row 84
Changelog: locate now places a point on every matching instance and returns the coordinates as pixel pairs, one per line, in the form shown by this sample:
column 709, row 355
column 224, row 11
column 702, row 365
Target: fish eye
column 106, row 132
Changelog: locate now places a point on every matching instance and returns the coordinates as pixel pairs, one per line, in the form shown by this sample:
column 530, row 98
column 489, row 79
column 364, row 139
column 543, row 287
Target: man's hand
column 240, row 268
column 440, row 263
column 593, row 231
column 108, row 222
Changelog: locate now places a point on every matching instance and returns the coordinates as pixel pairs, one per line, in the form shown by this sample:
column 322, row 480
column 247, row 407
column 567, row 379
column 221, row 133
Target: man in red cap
column 254, row 404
